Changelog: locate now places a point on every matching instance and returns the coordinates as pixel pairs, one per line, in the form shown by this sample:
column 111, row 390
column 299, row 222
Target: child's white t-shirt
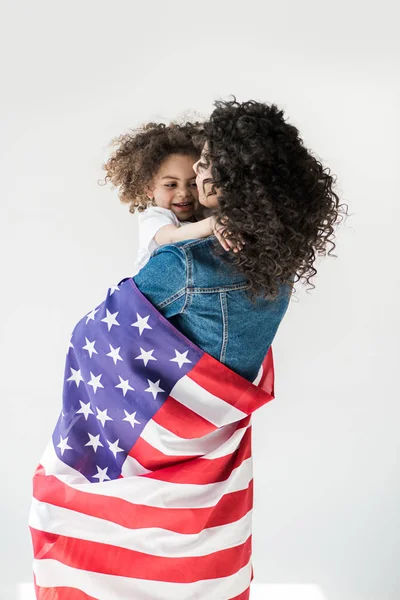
column 150, row 221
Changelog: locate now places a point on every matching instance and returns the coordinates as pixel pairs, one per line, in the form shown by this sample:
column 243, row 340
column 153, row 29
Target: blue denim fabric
column 200, row 293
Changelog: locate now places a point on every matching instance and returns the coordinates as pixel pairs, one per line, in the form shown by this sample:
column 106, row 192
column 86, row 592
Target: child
column 153, row 169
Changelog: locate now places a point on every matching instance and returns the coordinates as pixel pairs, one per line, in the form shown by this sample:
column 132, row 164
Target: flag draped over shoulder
column 145, row 489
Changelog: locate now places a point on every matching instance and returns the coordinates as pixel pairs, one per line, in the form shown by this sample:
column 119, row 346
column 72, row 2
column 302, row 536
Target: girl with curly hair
column 153, row 169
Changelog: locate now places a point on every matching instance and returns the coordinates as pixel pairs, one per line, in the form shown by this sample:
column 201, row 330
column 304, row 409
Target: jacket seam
column 170, row 299
column 194, row 243
column 224, row 310
column 219, row 289
column 188, row 298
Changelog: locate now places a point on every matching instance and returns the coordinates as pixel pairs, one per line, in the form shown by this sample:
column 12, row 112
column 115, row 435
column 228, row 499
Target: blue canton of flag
column 121, row 366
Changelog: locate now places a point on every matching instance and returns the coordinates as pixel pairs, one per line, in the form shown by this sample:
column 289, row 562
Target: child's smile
column 175, row 186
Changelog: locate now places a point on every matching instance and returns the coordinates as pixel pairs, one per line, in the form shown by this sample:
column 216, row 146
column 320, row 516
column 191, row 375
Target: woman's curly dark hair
column 272, row 192
column 139, row 154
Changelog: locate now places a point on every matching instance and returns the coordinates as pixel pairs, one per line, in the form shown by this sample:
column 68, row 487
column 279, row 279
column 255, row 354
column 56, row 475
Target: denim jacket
column 204, row 298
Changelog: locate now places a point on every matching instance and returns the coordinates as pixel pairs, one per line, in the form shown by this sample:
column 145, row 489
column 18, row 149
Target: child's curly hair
column 273, row 193
column 139, row 155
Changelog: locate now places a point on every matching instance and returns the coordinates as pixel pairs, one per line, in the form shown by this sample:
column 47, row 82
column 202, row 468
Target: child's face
column 174, row 186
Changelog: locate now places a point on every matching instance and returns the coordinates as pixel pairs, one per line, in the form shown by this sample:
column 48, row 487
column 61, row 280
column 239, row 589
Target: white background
column 74, row 75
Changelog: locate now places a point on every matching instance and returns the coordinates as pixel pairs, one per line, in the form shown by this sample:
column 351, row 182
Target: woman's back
column 206, row 300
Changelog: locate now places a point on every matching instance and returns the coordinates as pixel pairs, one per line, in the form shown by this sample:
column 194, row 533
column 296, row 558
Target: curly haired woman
column 271, row 197
column 146, row 488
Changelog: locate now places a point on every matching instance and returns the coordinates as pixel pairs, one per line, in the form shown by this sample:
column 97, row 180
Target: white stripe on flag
column 230, row 446
column 259, row 375
column 210, row 407
column 171, row 445
column 51, row 573
column 133, row 468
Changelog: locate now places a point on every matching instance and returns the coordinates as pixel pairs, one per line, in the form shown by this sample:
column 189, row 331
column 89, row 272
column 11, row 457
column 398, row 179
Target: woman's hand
column 220, row 232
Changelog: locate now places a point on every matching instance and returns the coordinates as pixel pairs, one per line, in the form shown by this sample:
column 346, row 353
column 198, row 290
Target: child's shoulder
column 156, row 210
column 158, row 213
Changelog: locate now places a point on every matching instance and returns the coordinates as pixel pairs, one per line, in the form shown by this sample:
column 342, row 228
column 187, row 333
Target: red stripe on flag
column 267, row 380
column 232, row 388
column 113, row 560
column 243, row 596
column 151, row 458
column 182, row 421
column 231, row 507
column 61, row 593
column 201, row 470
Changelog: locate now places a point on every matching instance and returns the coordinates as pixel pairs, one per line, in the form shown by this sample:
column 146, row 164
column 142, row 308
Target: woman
column 267, row 191
column 146, row 488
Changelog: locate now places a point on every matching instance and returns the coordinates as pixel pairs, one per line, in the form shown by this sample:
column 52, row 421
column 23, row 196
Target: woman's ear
column 149, row 194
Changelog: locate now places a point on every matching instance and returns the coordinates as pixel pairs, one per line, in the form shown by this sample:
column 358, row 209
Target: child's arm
column 168, row 234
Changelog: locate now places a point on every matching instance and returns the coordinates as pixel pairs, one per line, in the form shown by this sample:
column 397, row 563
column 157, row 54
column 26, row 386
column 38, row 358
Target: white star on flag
column 94, row 441
column 85, row 410
column 154, row 388
column 180, row 358
column 131, row 418
column 110, row 319
column 95, row 382
column 124, row 385
column 114, row 447
column 90, row 316
column 114, row 354
column 102, row 416
column 90, row 347
column 141, row 323
column 101, row 474
column 145, row 356
column 63, row 445
column 113, row 288
column 75, row 376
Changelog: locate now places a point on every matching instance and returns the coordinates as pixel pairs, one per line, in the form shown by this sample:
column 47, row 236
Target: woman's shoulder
column 190, row 255
column 189, row 249
column 174, row 253
column 205, row 265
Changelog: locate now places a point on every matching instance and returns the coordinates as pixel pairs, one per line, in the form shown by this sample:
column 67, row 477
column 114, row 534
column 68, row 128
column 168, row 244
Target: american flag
column 145, row 491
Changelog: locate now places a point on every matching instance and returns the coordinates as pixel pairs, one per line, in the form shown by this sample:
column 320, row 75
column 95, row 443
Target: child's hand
column 220, row 233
